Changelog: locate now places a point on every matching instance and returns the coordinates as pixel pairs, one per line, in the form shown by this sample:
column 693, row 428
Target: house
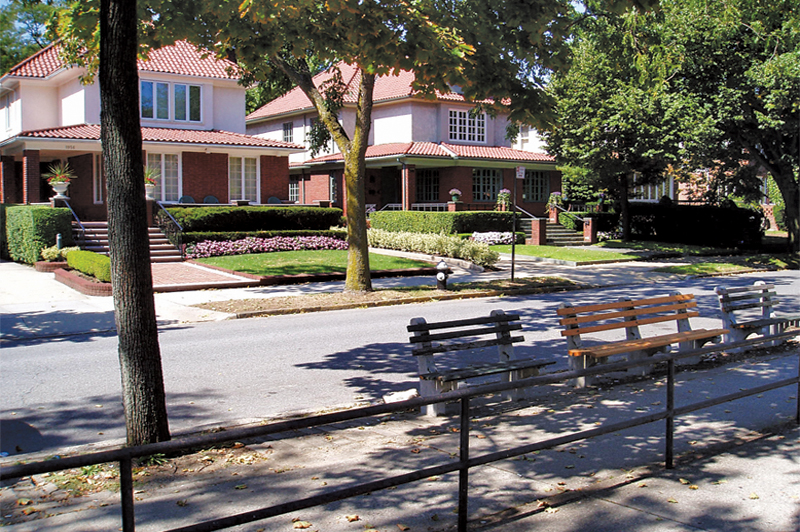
column 419, row 149
column 192, row 112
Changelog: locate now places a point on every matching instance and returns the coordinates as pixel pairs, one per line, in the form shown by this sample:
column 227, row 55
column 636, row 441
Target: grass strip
column 567, row 254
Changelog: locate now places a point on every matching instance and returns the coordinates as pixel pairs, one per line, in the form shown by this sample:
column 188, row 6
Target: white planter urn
column 149, row 190
column 60, row 189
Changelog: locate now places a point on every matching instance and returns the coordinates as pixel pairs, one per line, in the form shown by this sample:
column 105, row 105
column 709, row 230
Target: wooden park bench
column 629, row 314
column 749, row 310
column 459, row 337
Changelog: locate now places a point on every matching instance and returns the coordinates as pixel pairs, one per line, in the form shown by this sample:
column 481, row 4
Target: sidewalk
column 731, row 475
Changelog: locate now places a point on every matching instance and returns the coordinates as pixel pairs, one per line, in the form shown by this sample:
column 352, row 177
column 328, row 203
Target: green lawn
column 703, row 268
column 296, row 262
column 568, row 254
column 662, row 247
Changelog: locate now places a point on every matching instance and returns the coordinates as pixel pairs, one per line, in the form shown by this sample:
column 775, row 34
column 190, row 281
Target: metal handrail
column 81, row 227
column 177, row 233
column 571, row 215
column 187, row 445
column 520, row 209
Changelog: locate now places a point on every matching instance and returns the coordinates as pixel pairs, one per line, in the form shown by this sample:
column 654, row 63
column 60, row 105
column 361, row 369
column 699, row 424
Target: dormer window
column 466, row 127
column 157, row 98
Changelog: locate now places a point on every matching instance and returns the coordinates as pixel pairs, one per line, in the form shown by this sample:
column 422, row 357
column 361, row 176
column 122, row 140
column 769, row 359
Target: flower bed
column 211, row 248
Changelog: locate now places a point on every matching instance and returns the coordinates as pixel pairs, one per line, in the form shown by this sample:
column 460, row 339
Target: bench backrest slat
column 727, row 307
column 463, row 346
column 503, row 318
column 629, row 323
column 466, row 333
column 743, row 298
column 603, row 316
column 742, row 289
column 569, row 310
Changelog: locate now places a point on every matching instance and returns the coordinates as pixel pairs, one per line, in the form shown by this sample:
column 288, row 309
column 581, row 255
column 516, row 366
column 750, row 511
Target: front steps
column 96, row 239
column 557, row 234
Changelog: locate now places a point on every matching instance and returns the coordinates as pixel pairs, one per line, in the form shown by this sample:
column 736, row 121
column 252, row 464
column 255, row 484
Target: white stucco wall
column 39, row 106
column 229, row 109
column 392, row 123
column 72, row 100
column 10, row 121
column 426, row 122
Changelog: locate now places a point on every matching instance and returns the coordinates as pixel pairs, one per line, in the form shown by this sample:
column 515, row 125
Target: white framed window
column 536, row 186
column 332, row 187
column 294, row 189
column 168, row 182
column 428, row 185
column 98, row 179
column 8, row 102
column 243, row 178
column 164, row 101
column 187, row 102
column 486, row 183
column 652, row 193
column 464, row 126
column 288, row 132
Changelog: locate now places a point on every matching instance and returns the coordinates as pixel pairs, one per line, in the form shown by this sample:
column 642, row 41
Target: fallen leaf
column 240, row 487
column 642, row 484
column 550, row 510
column 402, row 527
column 480, row 436
column 24, row 502
column 694, row 487
column 754, row 496
column 673, row 501
column 683, row 481
column 182, row 503
column 30, row 510
column 351, row 518
column 415, row 451
column 301, row 524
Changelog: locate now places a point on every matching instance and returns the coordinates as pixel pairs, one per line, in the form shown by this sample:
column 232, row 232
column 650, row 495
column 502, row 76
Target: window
column 535, row 186
column 168, row 182
column 243, row 178
column 294, row 189
column 467, row 127
column 332, row 187
column 486, row 183
column 651, row 192
column 155, row 101
column 428, row 186
column 97, row 179
column 288, row 132
column 187, row 102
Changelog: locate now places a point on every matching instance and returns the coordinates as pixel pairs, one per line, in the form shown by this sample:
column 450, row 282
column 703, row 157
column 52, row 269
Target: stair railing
column 571, row 215
column 171, row 228
column 81, row 227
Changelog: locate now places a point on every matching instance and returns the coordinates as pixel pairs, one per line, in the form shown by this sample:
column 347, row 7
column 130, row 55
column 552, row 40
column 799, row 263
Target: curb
column 82, row 285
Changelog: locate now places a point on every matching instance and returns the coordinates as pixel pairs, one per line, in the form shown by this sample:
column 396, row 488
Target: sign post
column 519, row 175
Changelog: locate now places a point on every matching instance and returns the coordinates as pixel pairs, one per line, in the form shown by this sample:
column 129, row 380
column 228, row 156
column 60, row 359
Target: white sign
column 520, row 172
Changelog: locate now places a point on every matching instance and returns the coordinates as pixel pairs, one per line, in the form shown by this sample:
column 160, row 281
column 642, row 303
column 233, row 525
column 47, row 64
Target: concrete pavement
column 735, row 475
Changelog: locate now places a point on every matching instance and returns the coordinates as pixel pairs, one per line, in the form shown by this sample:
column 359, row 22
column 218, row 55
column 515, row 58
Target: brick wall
column 10, row 191
column 31, row 177
column 205, row 174
column 274, row 177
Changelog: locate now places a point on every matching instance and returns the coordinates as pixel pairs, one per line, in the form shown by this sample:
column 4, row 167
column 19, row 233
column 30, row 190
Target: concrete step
column 95, row 238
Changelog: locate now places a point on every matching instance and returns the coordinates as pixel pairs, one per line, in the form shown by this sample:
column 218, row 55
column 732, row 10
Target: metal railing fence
column 125, row 456
column 171, row 228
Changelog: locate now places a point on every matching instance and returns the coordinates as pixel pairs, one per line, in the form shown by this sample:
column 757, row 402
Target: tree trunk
column 790, row 192
column 131, row 278
column 624, row 206
column 358, row 273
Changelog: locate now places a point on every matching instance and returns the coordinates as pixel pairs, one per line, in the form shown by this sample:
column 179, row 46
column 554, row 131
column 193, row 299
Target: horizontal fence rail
column 182, row 446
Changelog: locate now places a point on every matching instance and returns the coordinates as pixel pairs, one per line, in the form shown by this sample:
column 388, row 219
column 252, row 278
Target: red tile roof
column 444, row 151
column 388, row 87
column 181, row 58
column 156, row 134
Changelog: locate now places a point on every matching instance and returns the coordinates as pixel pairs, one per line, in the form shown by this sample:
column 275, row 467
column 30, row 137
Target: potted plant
column 503, row 199
column 553, row 203
column 58, row 177
column 151, row 176
column 455, row 194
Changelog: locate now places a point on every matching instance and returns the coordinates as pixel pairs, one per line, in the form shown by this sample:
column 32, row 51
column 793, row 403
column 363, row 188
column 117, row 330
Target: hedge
column 441, row 222
column 3, row 241
column 90, row 263
column 606, row 221
column 438, row 244
column 703, row 225
column 248, row 219
column 29, row 229
column 201, row 236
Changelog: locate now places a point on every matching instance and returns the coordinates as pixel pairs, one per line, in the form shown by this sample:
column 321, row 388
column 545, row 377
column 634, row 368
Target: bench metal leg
column 640, row 371
column 579, row 363
column 428, row 388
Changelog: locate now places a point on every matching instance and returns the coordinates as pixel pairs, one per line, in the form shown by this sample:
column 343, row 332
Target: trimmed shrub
column 441, row 244
column 779, row 211
column 441, row 222
column 52, row 253
column 213, row 248
column 29, row 229
column 91, row 263
column 606, row 221
column 201, row 236
column 248, row 219
column 703, row 225
column 3, row 241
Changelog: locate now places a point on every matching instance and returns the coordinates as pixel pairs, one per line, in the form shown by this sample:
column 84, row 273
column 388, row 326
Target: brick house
column 192, row 112
column 419, row 149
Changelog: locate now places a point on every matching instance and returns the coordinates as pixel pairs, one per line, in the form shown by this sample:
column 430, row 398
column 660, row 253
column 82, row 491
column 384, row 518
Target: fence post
column 670, row 430
column 126, row 494
column 463, row 473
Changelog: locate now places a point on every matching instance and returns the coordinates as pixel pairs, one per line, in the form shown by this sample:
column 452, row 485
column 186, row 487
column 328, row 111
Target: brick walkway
column 174, row 276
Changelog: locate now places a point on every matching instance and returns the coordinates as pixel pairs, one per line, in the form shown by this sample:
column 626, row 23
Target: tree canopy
column 23, row 29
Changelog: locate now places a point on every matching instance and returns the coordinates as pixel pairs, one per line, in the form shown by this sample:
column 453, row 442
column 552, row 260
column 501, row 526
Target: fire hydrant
column 442, row 271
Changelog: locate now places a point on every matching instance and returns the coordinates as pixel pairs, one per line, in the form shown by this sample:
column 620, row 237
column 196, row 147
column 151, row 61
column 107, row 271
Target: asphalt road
column 66, row 391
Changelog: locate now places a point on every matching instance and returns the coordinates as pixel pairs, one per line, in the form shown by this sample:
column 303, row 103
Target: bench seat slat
column 484, row 369
column 629, row 323
column 461, row 346
column 575, row 320
column 729, row 307
column 678, row 298
column 758, row 324
column 466, row 333
column 416, row 327
column 653, row 342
